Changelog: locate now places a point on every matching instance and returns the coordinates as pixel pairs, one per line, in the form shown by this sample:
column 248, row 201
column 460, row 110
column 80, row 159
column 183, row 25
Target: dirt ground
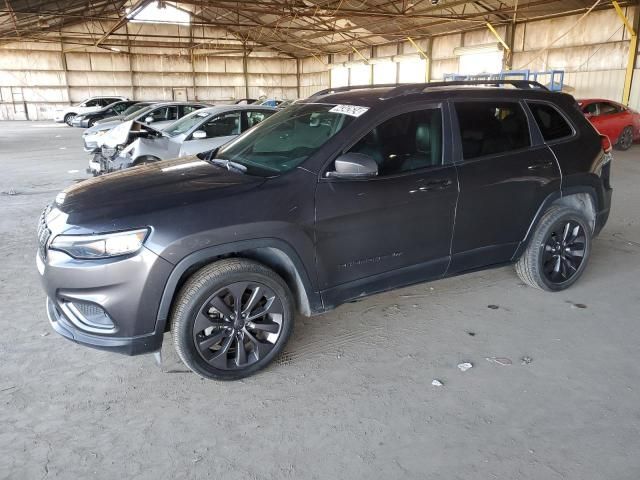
column 352, row 397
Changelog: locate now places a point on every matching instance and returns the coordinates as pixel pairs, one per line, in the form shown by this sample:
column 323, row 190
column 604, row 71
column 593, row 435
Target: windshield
column 133, row 115
column 133, row 108
column 285, row 140
column 185, row 124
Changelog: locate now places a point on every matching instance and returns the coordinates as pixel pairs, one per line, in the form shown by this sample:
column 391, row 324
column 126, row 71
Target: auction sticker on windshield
column 352, row 110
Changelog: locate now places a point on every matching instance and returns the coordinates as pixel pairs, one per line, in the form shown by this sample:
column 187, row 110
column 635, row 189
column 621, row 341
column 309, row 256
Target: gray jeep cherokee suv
column 348, row 193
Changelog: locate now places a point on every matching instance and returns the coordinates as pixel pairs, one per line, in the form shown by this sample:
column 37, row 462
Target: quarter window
column 406, row 142
column 552, row 124
column 491, row 128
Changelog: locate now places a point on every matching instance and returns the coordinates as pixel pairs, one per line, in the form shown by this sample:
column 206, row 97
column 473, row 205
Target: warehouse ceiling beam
column 124, row 19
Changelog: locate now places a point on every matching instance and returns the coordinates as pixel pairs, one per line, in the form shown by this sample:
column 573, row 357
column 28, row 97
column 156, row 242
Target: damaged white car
column 133, row 143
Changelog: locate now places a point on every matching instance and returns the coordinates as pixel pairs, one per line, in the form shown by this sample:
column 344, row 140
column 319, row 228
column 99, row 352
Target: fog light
column 88, row 316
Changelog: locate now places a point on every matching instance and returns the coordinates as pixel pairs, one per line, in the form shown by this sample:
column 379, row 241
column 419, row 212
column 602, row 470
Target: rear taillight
column 606, row 144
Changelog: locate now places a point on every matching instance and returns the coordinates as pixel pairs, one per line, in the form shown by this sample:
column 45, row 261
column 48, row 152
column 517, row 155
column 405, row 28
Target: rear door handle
column 540, row 165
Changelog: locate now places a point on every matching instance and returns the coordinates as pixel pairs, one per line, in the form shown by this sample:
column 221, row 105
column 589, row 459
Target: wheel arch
column 273, row 253
column 583, row 199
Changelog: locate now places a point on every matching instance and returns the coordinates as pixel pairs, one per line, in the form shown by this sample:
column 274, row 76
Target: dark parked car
column 86, row 120
column 337, row 197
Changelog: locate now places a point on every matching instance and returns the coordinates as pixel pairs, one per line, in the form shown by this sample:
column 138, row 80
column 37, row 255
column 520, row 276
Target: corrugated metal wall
column 594, row 54
column 35, row 74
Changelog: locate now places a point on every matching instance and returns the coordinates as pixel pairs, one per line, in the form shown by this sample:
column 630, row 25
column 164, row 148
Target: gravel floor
column 352, row 397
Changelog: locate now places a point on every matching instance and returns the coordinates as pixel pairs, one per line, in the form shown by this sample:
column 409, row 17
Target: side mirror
column 149, row 119
column 199, row 135
column 354, row 166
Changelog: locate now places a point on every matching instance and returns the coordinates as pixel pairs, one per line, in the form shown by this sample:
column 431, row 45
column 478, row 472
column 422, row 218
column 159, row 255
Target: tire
column 68, row 118
column 91, row 123
column 211, row 330
column 626, row 139
column 554, row 249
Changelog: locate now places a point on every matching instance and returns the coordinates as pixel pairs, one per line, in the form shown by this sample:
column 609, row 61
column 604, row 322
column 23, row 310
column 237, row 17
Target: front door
column 504, row 178
column 393, row 229
column 218, row 130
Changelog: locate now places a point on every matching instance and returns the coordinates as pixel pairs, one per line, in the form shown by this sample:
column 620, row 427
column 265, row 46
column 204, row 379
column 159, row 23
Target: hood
column 118, row 135
column 115, row 118
column 152, row 187
column 101, row 126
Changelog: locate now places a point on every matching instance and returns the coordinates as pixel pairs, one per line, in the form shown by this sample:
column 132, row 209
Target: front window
column 185, row 124
column 285, row 140
column 223, row 125
column 406, row 142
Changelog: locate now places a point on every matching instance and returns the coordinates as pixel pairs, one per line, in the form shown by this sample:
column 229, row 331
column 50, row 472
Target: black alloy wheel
column 564, row 251
column 238, row 325
column 231, row 318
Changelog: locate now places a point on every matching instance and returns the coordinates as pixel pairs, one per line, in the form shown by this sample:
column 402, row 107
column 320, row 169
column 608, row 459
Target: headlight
column 102, row 245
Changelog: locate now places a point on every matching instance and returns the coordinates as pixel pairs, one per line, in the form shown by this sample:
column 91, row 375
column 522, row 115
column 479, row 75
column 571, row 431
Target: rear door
column 504, row 173
column 393, row 229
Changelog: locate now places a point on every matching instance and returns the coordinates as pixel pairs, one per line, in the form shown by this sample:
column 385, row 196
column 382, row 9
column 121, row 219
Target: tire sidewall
column 566, row 216
column 68, row 118
column 184, row 318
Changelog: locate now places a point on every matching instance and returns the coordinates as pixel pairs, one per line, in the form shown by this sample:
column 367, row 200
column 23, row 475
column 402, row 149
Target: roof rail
column 409, row 88
column 352, row 87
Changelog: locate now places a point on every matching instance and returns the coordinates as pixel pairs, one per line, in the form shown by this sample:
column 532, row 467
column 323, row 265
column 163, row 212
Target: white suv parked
column 89, row 105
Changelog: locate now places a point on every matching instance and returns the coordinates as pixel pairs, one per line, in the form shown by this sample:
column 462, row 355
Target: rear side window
column 491, row 128
column 552, row 124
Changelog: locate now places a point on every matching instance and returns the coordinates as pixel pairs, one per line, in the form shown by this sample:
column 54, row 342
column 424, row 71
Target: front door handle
column 540, row 165
column 439, row 184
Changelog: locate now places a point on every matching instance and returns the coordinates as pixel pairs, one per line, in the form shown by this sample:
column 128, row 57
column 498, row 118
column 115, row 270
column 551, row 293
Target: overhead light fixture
column 475, row 49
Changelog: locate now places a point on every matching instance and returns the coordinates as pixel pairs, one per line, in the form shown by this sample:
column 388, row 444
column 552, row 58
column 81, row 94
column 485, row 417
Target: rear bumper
column 603, row 215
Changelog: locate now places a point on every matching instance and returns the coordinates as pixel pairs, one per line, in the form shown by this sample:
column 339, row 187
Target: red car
column 619, row 123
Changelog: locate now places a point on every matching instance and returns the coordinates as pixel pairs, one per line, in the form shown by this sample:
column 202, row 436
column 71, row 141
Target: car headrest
column 423, row 137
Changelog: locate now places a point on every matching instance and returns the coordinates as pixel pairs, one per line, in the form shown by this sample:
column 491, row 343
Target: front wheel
column 558, row 251
column 231, row 319
column 626, row 139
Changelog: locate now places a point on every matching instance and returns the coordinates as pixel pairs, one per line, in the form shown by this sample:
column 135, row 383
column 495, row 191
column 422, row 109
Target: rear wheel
column 68, row 118
column 231, row 319
column 558, row 251
column 626, row 139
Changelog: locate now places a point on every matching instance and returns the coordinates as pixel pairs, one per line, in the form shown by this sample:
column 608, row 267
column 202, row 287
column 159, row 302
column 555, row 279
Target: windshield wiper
column 229, row 164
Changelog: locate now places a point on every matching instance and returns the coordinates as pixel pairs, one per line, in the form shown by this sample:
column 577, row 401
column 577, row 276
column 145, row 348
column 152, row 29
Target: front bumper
column 127, row 289
column 80, row 122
